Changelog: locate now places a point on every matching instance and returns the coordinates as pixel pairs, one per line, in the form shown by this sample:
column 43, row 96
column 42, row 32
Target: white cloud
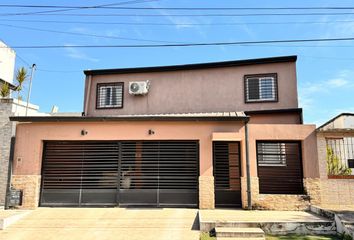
column 308, row 91
column 337, row 82
column 78, row 54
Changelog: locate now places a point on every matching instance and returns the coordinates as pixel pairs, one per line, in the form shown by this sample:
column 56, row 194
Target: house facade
column 336, row 160
column 210, row 135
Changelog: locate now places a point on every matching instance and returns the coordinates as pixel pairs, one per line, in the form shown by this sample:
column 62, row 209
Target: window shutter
column 252, row 88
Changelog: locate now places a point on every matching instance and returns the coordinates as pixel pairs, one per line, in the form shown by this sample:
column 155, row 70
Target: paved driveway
column 104, row 223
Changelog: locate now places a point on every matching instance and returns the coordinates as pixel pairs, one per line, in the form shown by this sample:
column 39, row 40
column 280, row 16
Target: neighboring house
column 224, row 134
column 335, row 141
column 7, row 63
column 9, row 107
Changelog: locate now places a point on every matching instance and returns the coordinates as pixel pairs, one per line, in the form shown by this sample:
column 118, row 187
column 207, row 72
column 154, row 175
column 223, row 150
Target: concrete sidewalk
column 105, row 223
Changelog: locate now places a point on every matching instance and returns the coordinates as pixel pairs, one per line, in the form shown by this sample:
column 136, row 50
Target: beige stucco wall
column 304, row 133
column 35, row 133
column 203, row 90
column 30, row 137
column 28, row 156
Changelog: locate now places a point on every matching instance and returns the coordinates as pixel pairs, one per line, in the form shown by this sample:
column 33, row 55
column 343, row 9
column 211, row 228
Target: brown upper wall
column 204, row 89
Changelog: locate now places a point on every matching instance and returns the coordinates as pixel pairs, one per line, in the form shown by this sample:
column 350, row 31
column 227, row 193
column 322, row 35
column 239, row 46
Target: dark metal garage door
column 126, row 173
column 79, row 173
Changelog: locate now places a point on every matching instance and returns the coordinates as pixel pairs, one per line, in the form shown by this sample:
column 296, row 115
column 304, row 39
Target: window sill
column 261, row 101
column 341, row 177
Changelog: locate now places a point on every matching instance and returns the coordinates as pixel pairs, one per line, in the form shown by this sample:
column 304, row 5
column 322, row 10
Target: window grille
column 110, row 95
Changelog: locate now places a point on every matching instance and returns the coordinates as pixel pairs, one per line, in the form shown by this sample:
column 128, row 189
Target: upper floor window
column 261, row 88
column 110, row 95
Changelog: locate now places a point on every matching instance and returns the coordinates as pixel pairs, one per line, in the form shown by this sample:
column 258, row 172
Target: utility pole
column 33, row 68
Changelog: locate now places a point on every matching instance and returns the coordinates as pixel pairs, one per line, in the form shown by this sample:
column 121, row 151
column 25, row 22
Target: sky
column 325, row 70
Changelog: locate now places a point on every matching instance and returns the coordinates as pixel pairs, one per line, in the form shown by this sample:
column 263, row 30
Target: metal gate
column 126, row 173
column 227, row 174
column 79, row 173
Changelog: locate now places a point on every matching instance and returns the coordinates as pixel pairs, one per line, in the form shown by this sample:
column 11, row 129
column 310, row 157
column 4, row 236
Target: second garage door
column 126, row 173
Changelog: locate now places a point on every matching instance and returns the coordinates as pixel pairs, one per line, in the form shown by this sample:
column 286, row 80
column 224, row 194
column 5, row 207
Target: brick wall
column 30, row 185
column 206, row 192
column 7, row 130
column 281, row 201
column 333, row 191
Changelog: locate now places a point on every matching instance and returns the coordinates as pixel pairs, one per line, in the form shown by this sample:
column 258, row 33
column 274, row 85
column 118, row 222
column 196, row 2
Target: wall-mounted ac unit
column 139, row 88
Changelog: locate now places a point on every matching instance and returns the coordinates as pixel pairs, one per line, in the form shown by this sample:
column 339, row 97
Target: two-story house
column 222, row 134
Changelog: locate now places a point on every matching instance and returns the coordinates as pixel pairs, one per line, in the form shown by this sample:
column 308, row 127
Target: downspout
column 248, row 170
column 9, row 173
column 87, row 97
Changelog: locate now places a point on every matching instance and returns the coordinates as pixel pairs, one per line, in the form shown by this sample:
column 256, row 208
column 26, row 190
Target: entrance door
column 227, row 174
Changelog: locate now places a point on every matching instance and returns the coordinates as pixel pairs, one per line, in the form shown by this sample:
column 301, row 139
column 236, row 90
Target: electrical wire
column 108, row 6
column 86, row 7
column 86, row 34
column 179, row 15
column 177, row 24
column 188, row 44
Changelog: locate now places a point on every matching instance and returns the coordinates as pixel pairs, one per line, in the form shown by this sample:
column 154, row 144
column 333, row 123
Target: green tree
column 21, row 77
column 335, row 165
column 5, row 90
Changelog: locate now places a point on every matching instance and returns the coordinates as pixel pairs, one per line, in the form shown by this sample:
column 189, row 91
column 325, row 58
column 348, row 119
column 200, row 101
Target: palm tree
column 21, row 76
column 5, row 90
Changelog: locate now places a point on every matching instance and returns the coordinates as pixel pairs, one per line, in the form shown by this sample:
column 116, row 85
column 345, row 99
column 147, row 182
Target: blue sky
column 325, row 70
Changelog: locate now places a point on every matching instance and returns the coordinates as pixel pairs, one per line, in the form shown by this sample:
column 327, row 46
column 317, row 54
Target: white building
column 7, row 63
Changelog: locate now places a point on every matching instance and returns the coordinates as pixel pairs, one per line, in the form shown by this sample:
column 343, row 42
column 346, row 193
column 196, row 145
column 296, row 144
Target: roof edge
column 12, row 87
column 124, row 118
column 333, row 119
column 268, row 111
column 280, row 59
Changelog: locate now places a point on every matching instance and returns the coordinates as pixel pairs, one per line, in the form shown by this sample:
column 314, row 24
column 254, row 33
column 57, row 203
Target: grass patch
column 206, row 236
column 302, row 237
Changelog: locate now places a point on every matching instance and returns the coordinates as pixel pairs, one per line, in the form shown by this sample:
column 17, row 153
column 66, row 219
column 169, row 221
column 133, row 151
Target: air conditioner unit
column 139, row 88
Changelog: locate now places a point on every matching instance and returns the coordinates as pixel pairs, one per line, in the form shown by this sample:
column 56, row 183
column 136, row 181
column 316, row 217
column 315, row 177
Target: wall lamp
column 151, row 132
column 83, row 132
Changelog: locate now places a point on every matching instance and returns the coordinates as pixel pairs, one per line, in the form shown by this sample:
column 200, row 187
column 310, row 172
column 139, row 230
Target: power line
column 86, row 34
column 109, row 6
column 178, row 24
column 85, row 7
column 58, row 71
column 188, row 44
column 23, row 60
column 181, row 15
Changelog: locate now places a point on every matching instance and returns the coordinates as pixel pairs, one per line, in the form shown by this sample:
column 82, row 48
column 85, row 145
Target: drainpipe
column 248, row 170
column 9, row 173
column 88, row 91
